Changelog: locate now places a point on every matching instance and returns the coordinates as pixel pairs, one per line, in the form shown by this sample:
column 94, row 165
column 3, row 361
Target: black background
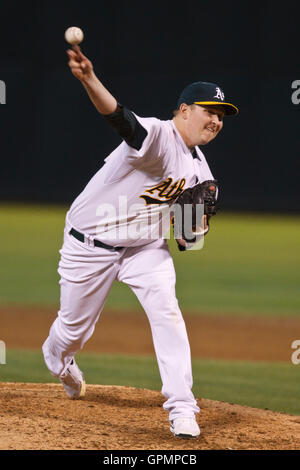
column 53, row 140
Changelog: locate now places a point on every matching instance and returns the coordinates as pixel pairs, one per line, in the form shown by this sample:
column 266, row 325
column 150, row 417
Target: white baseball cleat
column 73, row 381
column 185, row 427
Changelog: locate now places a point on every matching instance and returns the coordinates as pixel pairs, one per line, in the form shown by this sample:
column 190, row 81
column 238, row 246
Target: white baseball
column 74, row 35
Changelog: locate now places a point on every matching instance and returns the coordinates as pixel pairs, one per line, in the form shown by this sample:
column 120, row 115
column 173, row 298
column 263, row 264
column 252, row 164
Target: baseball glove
column 192, row 212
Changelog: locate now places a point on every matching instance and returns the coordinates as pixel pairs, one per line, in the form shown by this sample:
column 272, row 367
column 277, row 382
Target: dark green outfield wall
column 53, row 140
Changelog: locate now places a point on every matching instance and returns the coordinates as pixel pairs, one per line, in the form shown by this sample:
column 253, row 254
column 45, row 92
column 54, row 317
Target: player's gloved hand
column 184, row 244
column 81, row 67
column 188, row 202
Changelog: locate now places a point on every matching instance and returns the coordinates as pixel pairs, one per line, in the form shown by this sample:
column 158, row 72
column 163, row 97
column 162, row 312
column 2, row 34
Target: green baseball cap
column 205, row 93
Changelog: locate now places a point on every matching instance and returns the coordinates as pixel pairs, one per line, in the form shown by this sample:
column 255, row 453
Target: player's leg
column 149, row 271
column 87, row 274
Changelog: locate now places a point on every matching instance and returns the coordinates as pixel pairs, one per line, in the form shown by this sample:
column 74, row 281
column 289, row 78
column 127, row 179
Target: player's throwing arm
column 82, row 68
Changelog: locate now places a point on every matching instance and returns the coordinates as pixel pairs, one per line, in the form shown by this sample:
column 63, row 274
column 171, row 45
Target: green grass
column 259, row 384
column 249, row 264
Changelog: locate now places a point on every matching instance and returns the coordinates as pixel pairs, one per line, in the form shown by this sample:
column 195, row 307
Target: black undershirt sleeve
column 128, row 127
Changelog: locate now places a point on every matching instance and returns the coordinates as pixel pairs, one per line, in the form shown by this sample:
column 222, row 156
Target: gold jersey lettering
column 164, row 192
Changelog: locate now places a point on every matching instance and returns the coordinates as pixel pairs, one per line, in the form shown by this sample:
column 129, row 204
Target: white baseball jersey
column 127, row 202
column 121, row 206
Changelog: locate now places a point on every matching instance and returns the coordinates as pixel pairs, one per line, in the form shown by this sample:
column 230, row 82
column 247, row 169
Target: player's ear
column 184, row 108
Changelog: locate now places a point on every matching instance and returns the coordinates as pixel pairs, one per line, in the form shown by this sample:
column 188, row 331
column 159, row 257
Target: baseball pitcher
column 115, row 232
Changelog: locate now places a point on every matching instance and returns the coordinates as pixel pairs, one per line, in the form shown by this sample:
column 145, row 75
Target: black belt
column 80, row 237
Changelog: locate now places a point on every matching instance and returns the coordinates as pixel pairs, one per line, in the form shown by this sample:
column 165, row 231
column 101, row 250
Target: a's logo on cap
column 219, row 94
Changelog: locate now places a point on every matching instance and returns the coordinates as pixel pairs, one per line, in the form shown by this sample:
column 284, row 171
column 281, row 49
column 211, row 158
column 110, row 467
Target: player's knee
column 70, row 336
column 165, row 309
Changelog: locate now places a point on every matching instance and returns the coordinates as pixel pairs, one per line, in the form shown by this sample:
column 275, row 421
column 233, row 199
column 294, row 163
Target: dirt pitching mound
column 40, row 416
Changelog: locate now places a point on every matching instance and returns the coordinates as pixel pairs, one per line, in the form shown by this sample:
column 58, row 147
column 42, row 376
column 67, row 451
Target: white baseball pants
column 87, row 274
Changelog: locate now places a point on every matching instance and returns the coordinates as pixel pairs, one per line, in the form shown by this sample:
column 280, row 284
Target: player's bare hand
column 81, row 67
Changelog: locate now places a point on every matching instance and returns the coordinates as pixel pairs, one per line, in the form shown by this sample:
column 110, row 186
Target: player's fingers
column 77, row 50
column 85, row 64
column 74, row 64
column 74, row 56
column 71, row 53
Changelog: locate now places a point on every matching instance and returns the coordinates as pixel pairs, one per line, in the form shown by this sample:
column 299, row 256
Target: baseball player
column 113, row 232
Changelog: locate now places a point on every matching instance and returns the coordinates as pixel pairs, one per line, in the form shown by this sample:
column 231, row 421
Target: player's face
column 203, row 124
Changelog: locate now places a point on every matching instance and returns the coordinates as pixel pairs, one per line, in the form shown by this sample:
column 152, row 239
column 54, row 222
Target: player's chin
column 205, row 139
